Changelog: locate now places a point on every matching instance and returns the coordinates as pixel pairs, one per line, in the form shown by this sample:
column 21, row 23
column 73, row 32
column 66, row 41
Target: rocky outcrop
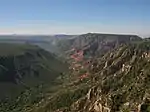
column 120, row 82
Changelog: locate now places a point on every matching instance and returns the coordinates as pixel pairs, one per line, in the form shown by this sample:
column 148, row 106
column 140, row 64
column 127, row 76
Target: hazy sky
column 74, row 16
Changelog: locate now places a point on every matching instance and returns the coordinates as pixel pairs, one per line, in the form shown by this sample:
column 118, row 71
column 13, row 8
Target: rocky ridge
column 119, row 82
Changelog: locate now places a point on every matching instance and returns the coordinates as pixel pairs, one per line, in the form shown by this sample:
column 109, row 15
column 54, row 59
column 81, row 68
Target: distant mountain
column 93, row 44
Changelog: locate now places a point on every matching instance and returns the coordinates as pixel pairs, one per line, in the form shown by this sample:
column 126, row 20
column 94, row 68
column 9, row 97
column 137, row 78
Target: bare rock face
column 98, row 107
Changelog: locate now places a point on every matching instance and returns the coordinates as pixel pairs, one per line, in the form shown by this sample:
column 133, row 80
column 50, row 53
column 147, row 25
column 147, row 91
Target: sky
column 75, row 16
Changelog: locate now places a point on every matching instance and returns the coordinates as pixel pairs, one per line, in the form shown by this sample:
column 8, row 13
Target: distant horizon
column 29, row 32
column 143, row 36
